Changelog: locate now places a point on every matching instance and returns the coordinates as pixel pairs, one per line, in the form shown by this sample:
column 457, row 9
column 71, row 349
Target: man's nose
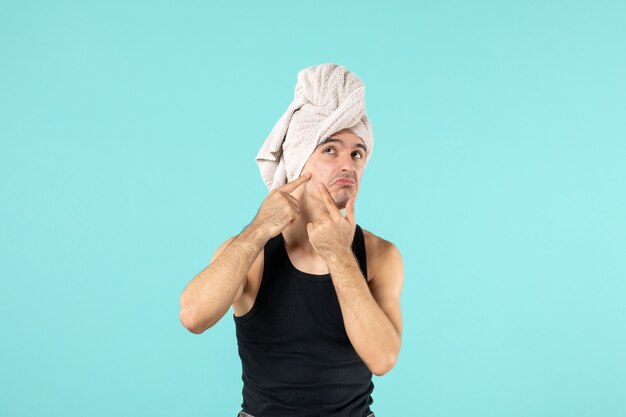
column 346, row 162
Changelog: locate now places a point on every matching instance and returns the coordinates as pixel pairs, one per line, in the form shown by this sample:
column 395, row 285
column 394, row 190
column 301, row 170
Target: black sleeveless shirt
column 297, row 360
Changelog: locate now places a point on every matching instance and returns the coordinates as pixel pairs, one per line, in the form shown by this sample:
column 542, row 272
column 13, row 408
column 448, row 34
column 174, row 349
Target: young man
column 316, row 298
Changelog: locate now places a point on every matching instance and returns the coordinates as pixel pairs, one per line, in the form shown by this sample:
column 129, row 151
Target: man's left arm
column 371, row 311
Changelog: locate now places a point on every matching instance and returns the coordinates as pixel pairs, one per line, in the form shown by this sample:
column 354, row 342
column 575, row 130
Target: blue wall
column 128, row 134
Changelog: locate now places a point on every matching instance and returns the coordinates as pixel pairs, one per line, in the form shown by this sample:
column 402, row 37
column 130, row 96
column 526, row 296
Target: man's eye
column 355, row 152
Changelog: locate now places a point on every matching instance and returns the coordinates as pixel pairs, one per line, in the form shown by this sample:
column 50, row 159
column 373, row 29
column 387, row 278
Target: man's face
column 338, row 163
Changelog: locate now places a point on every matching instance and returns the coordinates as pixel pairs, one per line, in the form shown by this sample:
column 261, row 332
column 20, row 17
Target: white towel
column 328, row 98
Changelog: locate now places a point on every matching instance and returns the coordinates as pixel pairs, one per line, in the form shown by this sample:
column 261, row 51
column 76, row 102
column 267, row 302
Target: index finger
column 291, row 186
column 330, row 204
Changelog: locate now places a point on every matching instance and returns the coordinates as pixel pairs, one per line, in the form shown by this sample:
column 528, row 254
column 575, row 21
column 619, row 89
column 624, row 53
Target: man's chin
column 341, row 197
column 342, row 203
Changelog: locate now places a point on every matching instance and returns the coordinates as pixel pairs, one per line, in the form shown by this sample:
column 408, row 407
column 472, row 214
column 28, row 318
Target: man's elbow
column 384, row 365
column 192, row 324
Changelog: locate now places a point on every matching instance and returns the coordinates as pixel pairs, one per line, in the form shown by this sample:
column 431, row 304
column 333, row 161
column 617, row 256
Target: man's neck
column 296, row 234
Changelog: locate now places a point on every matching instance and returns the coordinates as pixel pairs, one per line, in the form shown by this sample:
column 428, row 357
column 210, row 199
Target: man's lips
column 344, row 181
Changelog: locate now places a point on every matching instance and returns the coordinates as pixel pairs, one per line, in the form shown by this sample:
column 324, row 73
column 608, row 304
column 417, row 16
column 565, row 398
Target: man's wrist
column 338, row 255
column 254, row 234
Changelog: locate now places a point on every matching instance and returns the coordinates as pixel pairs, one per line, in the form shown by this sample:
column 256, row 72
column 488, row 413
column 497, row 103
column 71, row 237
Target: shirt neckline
column 301, row 274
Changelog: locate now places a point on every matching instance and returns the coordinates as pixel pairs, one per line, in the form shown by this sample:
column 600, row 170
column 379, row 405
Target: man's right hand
column 280, row 209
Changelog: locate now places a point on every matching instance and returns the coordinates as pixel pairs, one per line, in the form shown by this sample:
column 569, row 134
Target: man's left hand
column 332, row 233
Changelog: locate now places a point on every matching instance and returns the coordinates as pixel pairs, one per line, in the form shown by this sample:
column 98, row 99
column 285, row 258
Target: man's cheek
column 311, row 187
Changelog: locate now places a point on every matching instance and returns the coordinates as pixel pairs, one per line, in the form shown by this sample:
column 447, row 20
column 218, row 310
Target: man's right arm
column 210, row 294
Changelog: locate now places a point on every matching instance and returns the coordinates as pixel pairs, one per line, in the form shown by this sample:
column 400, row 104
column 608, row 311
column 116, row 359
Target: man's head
column 328, row 99
column 337, row 162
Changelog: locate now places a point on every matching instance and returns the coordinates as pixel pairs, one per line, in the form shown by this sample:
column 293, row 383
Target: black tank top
column 297, row 360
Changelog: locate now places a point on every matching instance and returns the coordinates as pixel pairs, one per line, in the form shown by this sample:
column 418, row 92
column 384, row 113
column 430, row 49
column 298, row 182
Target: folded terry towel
column 328, row 98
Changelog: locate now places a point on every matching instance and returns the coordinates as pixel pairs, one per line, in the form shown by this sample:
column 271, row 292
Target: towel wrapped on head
column 328, row 98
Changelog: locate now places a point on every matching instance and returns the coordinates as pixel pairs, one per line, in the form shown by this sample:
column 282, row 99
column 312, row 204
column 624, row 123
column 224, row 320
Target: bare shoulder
column 380, row 253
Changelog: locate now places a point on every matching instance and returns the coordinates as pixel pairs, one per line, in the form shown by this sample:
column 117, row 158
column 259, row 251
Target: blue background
column 128, row 136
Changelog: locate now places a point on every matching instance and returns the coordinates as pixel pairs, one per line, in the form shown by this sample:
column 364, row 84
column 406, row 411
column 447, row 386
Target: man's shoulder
column 380, row 252
column 377, row 243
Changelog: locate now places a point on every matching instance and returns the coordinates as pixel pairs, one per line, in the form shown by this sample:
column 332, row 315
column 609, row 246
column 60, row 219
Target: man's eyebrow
column 330, row 139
